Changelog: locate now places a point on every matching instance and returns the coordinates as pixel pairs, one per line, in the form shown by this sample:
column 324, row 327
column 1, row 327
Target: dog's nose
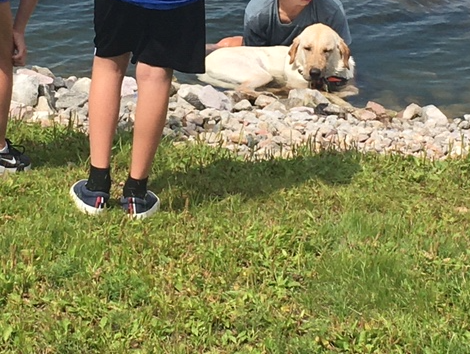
column 315, row 73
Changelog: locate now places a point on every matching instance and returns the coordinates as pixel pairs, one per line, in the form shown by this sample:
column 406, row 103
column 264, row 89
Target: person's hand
column 19, row 49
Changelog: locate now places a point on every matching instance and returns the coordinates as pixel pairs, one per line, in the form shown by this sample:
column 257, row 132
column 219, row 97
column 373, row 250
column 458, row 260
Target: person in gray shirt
column 278, row 22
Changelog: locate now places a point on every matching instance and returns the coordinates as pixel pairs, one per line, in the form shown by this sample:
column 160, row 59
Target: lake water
column 406, row 50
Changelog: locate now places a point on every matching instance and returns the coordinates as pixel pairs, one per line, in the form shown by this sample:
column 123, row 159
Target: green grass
column 333, row 252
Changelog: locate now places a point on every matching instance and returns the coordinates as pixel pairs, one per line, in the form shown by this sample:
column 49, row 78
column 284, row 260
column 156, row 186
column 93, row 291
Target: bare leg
column 152, row 104
column 105, row 97
column 6, row 67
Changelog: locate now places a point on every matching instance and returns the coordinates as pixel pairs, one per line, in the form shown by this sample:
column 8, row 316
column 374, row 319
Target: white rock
column 412, row 111
column 44, row 106
column 25, row 89
column 129, row 86
column 243, row 105
column 82, row 85
column 434, row 117
column 42, row 79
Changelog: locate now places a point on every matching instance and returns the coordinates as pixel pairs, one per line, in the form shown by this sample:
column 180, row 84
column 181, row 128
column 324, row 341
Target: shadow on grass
column 198, row 173
column 54, row 146
column 220, row 174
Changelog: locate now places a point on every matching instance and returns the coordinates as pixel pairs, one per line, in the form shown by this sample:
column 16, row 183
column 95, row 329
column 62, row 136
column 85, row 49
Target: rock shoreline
column 262, row 126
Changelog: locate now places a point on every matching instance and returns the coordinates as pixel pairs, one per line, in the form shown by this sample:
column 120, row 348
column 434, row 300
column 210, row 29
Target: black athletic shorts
column 165, row 38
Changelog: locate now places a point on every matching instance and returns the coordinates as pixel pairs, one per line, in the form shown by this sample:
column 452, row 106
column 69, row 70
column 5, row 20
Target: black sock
column 99, row 179
column 135, row 187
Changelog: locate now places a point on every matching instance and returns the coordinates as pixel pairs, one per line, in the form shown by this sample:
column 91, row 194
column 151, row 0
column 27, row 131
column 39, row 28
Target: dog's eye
column 308, row 49
column 326, row 50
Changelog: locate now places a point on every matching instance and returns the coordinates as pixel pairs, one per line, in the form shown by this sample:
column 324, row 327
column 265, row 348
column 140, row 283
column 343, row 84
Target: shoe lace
column 15, row 149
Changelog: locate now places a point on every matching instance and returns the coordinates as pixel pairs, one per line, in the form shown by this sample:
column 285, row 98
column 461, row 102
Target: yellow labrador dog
column 318, row 58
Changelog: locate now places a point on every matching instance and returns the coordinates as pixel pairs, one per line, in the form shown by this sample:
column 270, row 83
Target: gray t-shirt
column 262, row 26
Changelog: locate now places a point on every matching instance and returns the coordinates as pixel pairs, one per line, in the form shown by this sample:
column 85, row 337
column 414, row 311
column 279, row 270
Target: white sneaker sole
column 150, row 212
column 13, row 170
column 84, row 208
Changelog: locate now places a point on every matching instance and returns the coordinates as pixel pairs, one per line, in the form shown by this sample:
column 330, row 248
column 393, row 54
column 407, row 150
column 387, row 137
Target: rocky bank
column 262, row 126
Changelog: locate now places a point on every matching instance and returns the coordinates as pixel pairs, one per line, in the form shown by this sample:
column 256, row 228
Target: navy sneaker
column 138, row 208
column 14, row 160
column 87, row 201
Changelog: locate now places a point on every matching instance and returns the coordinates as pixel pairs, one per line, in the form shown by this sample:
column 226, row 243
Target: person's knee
column 145, row 72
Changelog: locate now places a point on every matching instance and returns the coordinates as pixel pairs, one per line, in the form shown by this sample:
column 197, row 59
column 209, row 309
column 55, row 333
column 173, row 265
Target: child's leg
column 6, row 67
column 91, row 196
column 152, row 104
column 104, row 103
column 153, row 84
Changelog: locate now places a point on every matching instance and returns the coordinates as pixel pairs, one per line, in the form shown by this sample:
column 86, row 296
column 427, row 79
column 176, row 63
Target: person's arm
column 340, row 24
column 24, row 12
column 253, row 33
column 253, row 39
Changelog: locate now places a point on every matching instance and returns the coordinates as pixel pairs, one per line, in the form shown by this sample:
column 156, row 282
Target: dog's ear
column 293, row 50
column 345, row 53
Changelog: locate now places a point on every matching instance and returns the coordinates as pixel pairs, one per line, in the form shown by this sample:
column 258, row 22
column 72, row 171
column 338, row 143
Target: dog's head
column 318, row 53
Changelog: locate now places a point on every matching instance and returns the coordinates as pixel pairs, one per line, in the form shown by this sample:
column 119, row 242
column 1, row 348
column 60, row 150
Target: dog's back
column 231, row 67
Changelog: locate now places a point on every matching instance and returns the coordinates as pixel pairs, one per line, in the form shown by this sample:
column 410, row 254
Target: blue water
column 406, row 50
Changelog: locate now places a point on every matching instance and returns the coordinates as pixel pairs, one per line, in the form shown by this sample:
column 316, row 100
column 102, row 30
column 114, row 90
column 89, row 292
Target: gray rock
column 71, row 99
column 191, row 94
column 306, row 97
column 211, row 98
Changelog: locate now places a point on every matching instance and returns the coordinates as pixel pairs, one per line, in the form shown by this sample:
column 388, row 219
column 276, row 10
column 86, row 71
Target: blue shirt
column 160, row 4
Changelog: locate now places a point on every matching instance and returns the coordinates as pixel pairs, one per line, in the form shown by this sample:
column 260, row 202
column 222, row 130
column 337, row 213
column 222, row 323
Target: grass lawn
column 335, row 252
